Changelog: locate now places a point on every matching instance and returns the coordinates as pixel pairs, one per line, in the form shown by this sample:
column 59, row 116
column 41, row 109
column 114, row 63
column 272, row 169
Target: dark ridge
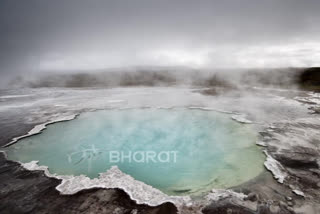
column 100, row 79
column 281, row 77
column 304, row 78
column 120, row 78
column 309, row 79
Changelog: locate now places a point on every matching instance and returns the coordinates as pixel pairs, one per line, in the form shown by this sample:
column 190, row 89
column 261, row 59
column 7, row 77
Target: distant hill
column 305, row 78
column 310, row 79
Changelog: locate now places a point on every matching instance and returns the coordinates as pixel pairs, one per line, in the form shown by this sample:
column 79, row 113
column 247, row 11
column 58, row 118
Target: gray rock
column 289, row 198
column 251, row 197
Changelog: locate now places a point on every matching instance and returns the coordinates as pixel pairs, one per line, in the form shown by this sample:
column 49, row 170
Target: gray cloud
column 62, row 34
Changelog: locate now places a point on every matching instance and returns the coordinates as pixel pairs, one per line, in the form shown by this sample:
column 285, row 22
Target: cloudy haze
column 38, row 35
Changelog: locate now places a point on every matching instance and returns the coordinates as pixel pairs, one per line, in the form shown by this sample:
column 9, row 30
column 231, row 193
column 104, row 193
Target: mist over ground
column 170, row 76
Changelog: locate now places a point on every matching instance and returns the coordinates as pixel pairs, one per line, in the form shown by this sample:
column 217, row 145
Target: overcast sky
column 93, row 34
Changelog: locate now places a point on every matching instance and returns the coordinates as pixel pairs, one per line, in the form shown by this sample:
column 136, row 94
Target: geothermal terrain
column 282, row 106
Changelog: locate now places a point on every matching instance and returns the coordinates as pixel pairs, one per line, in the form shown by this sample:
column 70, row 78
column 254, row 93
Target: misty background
column 42, row 38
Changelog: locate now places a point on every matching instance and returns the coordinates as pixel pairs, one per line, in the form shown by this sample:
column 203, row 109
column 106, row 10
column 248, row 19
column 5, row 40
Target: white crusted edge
column 275, row 168
column 218, row 194
column 113, row 178
column 261, row 143
column 238, row 117
column 298, row 192
column 210, row 109
column 138, row 191
column 39, row 128
column 241, row 119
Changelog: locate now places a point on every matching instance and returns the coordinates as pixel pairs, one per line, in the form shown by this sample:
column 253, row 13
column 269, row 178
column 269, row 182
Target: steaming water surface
column 207, row 149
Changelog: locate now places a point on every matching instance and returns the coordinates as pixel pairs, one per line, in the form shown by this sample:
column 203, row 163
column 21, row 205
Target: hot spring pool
column 179, row 151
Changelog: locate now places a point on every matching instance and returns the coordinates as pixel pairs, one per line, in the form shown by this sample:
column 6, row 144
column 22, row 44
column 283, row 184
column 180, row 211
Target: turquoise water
column 178, row 151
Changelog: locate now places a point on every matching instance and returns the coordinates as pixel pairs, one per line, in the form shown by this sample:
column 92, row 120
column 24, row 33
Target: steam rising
column 165, row 76
column 42, row 35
